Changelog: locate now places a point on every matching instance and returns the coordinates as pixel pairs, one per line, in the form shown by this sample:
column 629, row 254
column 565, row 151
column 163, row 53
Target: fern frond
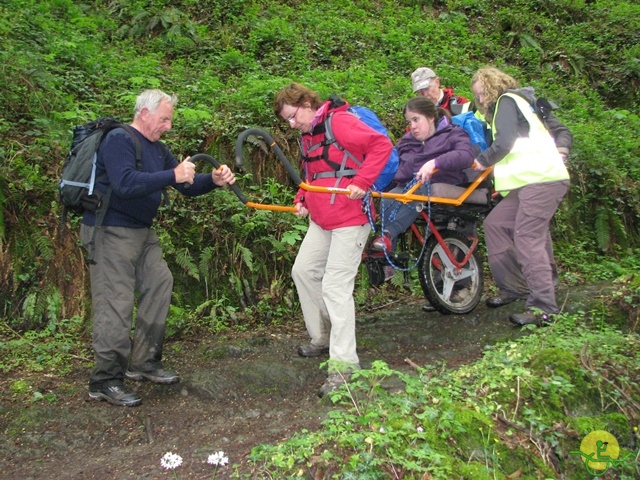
column 44, row 247
column 54, row 308
column 206, row 256
column 247, row 256
column 186, row 263
column 619, row 231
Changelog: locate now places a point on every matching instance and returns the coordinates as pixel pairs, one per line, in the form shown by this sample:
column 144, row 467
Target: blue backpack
column 475, row 129
column 372, row 120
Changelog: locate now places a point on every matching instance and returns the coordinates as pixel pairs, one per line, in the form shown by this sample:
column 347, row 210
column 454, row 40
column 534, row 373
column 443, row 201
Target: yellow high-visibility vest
column 533, row 159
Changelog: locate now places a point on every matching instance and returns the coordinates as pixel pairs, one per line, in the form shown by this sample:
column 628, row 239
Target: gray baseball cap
column 421, row 78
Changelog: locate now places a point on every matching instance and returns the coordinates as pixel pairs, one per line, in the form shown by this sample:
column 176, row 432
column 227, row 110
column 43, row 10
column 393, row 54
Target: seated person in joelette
column 434, row 151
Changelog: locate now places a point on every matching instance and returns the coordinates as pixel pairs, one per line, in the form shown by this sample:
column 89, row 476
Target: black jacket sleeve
column 560, row 133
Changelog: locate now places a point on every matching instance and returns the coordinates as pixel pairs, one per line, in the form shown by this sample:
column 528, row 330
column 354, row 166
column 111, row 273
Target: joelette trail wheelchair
column 446, row 257
column 449, row 268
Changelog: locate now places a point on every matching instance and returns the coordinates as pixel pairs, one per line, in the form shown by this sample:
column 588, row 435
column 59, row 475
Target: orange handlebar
column 408, row 196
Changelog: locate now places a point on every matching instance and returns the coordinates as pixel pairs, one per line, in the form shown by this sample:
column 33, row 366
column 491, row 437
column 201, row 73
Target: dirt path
column 236, row 393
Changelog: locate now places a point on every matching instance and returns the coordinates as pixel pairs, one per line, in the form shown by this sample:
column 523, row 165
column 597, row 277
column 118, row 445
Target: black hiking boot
column 312, row 350
column 117, row 395
column 529, row 317
column 502, row 299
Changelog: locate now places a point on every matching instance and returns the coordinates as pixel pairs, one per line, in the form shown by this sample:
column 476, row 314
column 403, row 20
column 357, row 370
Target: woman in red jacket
column 327, row 263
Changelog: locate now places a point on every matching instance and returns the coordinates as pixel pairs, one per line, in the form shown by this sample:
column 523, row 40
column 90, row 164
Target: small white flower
column 382, row 430
column 171, row 461
column 218, row 458
column 420, row 429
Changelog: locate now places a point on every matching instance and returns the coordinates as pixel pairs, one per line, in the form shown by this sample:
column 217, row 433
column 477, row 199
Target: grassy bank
column 522, row 411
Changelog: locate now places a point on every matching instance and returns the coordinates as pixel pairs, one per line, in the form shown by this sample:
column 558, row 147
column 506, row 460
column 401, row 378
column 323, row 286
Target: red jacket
column 370, row 147
column 446, row 101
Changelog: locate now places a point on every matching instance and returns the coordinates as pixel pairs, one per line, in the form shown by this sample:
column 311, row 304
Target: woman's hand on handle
column 478, row 166
column 426, row 171
column 301, row 210
column 356, row 192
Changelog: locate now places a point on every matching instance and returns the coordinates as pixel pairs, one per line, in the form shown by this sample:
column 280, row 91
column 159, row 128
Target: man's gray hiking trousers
column 129, row 270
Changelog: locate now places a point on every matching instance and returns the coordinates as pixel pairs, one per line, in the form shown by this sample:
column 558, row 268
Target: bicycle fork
column 458, row 264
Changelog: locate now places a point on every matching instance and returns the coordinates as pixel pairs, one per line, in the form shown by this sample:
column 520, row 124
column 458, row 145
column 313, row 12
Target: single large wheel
column 449, row 289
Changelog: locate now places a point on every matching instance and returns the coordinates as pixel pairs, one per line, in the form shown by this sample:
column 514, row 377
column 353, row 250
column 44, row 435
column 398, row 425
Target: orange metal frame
column 405, row 197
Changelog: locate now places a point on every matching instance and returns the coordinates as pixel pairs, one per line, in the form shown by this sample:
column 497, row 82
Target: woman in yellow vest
column 528, row 154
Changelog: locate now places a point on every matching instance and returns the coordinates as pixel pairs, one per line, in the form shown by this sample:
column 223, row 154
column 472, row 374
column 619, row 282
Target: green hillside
column 518, row 413
column 66, row 62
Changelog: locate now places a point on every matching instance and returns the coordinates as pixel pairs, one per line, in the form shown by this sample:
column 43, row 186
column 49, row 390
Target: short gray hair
column 151, row 99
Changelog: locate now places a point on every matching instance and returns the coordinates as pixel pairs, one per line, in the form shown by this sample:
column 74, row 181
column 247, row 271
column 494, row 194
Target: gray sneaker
column 116, row 395
column 333, row 381
column 156, row 376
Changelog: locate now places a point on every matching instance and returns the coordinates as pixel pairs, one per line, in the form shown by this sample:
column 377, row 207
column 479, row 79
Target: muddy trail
column 236, row 392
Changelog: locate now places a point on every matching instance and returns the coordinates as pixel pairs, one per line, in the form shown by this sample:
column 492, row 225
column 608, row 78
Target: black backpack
column 76, row 185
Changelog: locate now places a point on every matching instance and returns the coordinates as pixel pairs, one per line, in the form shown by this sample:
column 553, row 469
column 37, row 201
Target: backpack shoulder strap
column 102, row 211
column 331, row 139
column 328, row 132
column 328, row 138
column 129, row 130
column 339, row 170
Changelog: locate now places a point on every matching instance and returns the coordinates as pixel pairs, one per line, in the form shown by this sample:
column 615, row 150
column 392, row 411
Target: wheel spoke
column 466, row 273
column 444, row 259
column 449, row 288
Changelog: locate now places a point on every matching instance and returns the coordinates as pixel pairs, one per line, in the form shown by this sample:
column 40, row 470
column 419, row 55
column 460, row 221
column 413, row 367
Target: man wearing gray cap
column 426, row 83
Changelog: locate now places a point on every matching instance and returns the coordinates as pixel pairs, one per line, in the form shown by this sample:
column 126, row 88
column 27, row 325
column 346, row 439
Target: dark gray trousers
column 128, row 260
column 519, row 245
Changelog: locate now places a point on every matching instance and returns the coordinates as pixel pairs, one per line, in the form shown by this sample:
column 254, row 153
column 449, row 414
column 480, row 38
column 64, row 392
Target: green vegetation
column 519, row 412
column 65, row 62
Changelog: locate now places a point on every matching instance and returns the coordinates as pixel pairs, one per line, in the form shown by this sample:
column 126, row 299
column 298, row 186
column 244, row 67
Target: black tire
column 457, row 294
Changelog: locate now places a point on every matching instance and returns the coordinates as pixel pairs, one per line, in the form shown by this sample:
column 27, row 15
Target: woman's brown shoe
column 501, row 299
